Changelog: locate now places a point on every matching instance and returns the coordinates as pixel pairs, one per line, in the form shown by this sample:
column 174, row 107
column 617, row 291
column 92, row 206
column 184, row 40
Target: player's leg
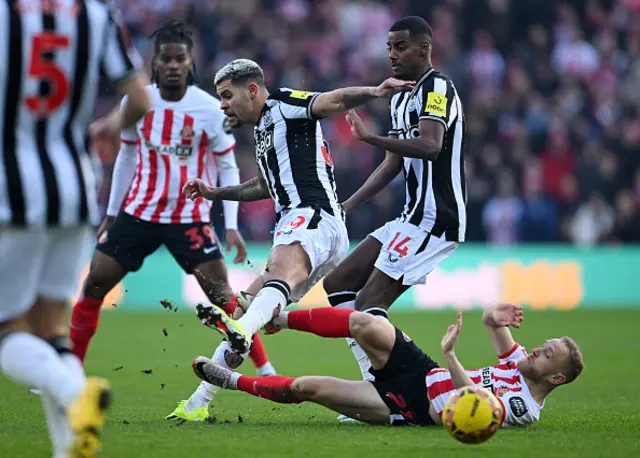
column 376, row 337
column 121, row 250
column 343, row 283
column 356, row 399
column 213, row 279
column 33, row 273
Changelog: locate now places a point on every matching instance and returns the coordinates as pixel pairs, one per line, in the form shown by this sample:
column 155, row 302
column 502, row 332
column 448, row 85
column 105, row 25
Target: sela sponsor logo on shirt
column 518, row 406
column 264, row 142
column 436, row 104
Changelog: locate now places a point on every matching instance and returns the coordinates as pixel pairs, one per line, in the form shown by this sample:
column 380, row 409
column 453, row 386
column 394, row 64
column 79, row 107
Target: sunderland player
column 295, row 169
column 184, row 136
column 426, row 143
column 52, row 54
column 409, row 387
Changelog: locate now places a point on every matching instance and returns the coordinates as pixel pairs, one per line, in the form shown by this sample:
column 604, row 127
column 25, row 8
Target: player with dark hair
column 295, row 169
column 183, row 137
column 426, row 142
column 409, row 387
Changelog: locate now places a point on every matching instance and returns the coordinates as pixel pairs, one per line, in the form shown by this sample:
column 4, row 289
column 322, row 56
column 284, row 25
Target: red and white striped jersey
column 176, row 142
column 504, row 380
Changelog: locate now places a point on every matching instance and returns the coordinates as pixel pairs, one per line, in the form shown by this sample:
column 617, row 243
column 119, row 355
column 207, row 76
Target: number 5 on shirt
column 401, row 246
column 42, row 68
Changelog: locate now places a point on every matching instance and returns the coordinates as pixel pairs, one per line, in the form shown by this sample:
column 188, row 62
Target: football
column 472, row 415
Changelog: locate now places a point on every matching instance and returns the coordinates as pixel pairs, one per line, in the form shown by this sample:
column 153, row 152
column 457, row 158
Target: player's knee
column 360, row 324
column 333, row 283
column 306, row 388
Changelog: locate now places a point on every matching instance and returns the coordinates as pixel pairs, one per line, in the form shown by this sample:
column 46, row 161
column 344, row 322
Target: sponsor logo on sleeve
column 302, row 95
column 518, row 406
column 436, row 104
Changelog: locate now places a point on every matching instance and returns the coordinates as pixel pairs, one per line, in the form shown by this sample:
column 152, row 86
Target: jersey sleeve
column 119, row 58
column 517, row 353
column 519, row 410
column 221, row 140
column 128, row 136
column 437, row 101
column 395, row 130
column 295, row 104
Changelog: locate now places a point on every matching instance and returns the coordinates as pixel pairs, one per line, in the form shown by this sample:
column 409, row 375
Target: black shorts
column 402, row 383
column 130, row 240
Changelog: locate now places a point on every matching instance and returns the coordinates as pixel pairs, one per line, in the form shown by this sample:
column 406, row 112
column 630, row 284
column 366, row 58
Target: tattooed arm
column 254, row 189
column 347, row 98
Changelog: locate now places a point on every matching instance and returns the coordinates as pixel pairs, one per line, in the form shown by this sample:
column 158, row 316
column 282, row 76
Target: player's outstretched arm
column 347, row 98
column 497, row 319
column 458, row 374
column 377, row 181
column 249, row 191
column 426, row 146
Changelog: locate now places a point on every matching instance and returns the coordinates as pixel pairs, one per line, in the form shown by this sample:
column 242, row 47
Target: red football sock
column 231, row 305
column 258, row 354
column 276, row 388
column 84, row 323
column 323, row 322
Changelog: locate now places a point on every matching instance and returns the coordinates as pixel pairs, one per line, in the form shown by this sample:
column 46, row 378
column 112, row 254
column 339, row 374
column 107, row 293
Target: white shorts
column 410, row 252
column 40, row 263
column 323, row 237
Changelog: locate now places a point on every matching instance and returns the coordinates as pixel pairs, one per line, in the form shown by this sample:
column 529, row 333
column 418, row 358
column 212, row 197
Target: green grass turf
column 599, row 415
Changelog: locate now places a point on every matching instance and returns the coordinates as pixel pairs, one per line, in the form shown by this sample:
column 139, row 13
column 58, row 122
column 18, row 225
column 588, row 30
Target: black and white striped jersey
column 292, row 154
column 436, row 190
column 53, row 52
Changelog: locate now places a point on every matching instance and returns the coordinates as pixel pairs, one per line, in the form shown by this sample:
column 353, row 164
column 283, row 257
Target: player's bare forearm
column 501, row 337
column 379, row 179
column 418, row 148
column 459, row 376
column 249, row 191
column 342, row 100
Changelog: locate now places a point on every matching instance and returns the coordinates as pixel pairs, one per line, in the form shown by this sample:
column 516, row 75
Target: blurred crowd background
column 551, row 91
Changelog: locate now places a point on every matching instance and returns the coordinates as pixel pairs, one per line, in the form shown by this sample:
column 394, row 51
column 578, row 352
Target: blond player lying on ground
column 409, row 387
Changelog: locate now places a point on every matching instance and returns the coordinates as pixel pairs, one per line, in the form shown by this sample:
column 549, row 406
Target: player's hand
column 504, row 314
column 358, row 130
column 234, row 239
column 391, row 85
column 198, row 188
column 105, row 226
column 451, row 337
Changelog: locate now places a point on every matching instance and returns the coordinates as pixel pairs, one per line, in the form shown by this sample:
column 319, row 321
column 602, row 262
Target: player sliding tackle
column 295, row 169
column 409, row 387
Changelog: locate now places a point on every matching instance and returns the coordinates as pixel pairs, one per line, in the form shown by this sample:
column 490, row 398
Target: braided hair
column 173, row 32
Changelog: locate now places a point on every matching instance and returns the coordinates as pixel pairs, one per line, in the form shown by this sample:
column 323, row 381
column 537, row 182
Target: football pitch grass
column 597, row 416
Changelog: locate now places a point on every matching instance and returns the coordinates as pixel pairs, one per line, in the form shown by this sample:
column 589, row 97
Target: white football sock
column 265, row 370
column 205, row 392
column 361, row 357
column 60, row 431
column 32, row 362
column 272, row 298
